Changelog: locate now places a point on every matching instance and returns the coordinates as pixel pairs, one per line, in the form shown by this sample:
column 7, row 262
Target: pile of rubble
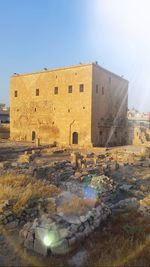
column 11, row 219
column 58, row 234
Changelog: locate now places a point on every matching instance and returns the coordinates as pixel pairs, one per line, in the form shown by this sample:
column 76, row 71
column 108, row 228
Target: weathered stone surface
column 39, row 247
column 125, row 187
column 127, row 204
column 61, row 247
column 11, row 225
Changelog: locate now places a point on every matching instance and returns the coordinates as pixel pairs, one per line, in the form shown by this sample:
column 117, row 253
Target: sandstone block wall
column 4, row 131
column 109, row 108
column 52, row 117
column 62, row 106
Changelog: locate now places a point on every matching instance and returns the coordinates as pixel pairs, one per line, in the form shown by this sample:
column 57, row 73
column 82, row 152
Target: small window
column 97, row 88
column 75, row 73
column 15, row 93
column 83, row 107
column 100, row 133
column 68, row 110
column 102, row 90
column 56, row 90
column 37, row 92
column 115, row 134
column 35, row 109
column 81, row 88
column 70, row 89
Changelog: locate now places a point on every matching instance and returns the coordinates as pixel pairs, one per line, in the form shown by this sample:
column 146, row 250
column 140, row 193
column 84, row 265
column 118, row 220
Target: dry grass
column 145, row 201
column 124, row 242
column 22, row 188
column 74, row 206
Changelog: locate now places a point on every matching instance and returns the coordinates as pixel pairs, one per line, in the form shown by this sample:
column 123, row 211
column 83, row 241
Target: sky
column 53, row 33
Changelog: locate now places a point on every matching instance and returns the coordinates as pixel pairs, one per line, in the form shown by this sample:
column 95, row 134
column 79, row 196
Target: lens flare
column 47, row 241
column 51, row 238
column 89, row 192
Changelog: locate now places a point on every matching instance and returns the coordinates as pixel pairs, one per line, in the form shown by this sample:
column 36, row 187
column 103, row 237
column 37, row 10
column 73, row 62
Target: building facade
column 4, row 114
column 83, row 105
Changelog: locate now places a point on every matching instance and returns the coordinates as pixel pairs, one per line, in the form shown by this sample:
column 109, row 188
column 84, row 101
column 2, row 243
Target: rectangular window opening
column 15, row 93
column 56, row 90
column 102, row 90
column 70, row 89
column 81, row 88
column 97, row 88
column 37, row 92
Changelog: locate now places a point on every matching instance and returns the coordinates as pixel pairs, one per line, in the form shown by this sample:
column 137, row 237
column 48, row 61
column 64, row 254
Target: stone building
column 4, row 114
column 84, row 104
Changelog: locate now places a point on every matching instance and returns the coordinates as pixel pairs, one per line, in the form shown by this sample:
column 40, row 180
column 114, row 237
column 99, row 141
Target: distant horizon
column 50, row 34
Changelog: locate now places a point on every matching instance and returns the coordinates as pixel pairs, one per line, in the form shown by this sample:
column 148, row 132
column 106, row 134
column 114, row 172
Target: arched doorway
column 33, row 135
column 75, row 138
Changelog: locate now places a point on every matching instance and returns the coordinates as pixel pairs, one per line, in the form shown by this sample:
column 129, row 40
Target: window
column 102, row 90
column 115, row 134
column 37, row 92
column 81, row 88
column 83, row 107
column 15, row 93
column 70, row 89
column 35, row 109
column 68, row 110
column 100, row 133
column 56, row 90
column 75, row 138
column 97, row 88
column 109, row 80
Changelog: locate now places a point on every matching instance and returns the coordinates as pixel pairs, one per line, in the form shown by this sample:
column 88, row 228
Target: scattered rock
column 125, row 187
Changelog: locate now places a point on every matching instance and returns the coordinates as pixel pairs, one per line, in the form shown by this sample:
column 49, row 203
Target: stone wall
column 53, row 117
column 59, row 235
column 138, row 135
column 109, row 108
column 72, row 114
column 4, row 131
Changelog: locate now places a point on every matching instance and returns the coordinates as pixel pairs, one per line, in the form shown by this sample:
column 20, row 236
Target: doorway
column 33, row 135
column 75, row 138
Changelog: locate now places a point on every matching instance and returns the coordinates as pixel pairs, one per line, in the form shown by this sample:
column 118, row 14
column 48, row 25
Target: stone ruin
column 81, row 206
column 61, row 233
column 79, row 209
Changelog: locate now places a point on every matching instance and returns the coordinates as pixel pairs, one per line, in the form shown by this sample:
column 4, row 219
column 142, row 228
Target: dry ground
column 124, row 240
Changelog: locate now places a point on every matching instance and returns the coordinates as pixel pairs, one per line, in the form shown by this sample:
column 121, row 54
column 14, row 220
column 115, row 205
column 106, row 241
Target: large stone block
column 61, row 247
column 40, row 247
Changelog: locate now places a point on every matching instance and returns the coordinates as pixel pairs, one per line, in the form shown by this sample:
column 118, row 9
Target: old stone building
column 84, row 104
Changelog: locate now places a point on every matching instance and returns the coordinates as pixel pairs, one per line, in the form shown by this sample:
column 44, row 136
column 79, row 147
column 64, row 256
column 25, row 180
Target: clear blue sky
column 49, row 33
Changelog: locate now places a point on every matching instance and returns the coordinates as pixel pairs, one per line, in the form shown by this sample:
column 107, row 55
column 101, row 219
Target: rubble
column 59, row 234
column 92, row 186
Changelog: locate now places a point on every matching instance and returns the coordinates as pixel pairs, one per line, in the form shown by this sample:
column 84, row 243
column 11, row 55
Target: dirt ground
column 122, row 241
